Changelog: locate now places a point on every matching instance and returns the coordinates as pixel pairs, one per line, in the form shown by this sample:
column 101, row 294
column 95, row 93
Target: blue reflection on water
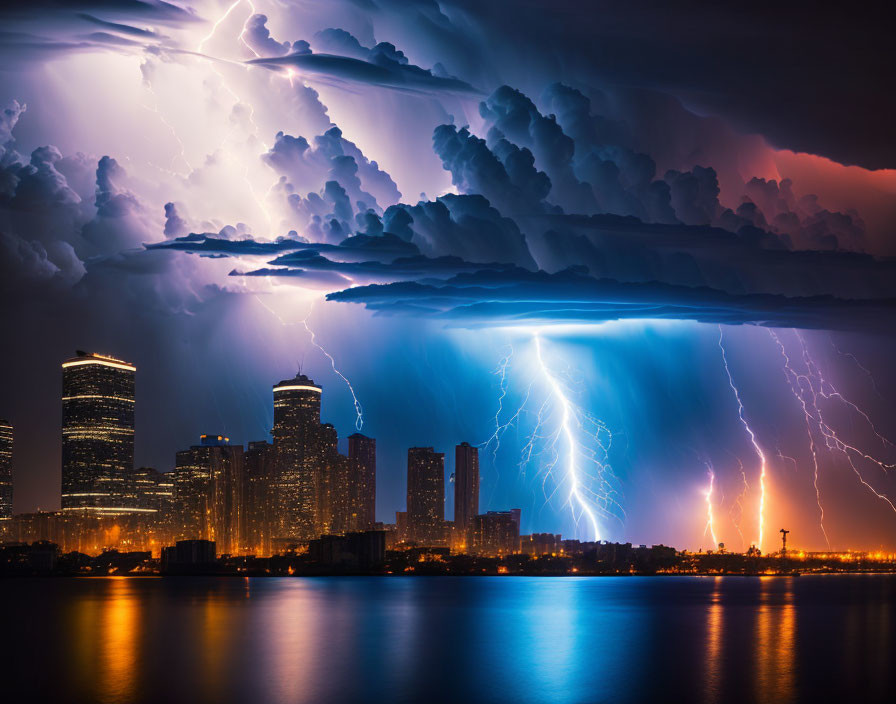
column 452, row 639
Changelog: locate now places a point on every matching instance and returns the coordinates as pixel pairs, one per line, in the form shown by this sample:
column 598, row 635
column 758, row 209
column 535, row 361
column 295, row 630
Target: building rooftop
column 299, row 383
column 81, row 358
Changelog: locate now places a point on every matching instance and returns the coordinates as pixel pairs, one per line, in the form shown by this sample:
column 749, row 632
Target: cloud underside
column 349, row 69
column 535, row 298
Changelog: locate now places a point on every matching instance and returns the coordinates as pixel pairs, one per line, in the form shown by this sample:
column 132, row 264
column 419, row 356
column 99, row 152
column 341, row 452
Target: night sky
column 642, row 255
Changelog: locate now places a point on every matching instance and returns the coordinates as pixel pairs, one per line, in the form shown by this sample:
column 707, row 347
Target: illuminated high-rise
column 98, row 435
column 259, row 496
column 5, row 469
column 466, row 487
column 208, row 486
column 299, row 451
column 426, row 496
column 362, row 455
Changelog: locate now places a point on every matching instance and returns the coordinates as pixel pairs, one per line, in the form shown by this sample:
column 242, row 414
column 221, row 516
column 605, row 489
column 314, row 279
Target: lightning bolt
column 793, row 380
column 237, row 100
column 738, row 503
column 576, row 491
column 494, row 440
column 808, row 387
column 710, row 522
column 861, row 366
column 155, row 109
column 759, row 453
column 569, row 444
column 359, row 412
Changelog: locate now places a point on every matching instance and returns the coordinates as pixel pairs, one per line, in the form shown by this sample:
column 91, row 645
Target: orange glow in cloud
column 839, row 187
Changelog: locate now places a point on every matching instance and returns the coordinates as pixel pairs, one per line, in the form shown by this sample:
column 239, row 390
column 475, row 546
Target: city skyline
column 659, row 304
column 85, row 377
column 254, row 500
column 544, row 344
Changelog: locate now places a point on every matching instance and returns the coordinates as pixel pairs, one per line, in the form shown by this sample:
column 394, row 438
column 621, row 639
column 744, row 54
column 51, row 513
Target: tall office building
column 98, row 435
column 362, row 455
column 299, row 451
column 5, row 469
column 466, row 488
column 331, row 483
column 208, row 485
column 259, row 495
column 426, row 496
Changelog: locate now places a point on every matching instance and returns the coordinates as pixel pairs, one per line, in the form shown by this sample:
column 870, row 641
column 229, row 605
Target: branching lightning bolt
column 710, row 521
column 794, row 382
column 500, row 428
column 753, row 441
column 359, row 411
column 571, row 444
column 236, row 98
column 808, row 387
column 738, row 503
column 576, row 491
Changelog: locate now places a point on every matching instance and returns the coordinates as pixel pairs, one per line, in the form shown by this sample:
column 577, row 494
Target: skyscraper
column 259, row 496
column 208, row 484
column 332, row 490
column 98, row 435
column 298, row 447
column 362, row 455
column 466, row 488
column 426, row 496
column 5, row 469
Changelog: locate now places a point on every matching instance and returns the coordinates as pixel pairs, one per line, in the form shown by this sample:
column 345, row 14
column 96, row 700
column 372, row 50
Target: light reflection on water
column 451, row 639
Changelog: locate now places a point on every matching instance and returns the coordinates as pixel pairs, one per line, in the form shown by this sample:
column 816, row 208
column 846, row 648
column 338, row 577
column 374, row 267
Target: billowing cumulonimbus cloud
column 594, row 171
column 329, row 185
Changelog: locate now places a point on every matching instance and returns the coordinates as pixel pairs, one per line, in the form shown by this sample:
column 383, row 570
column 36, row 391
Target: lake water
column 444, row 639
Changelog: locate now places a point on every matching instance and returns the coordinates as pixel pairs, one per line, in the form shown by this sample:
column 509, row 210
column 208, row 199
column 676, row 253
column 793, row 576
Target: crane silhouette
column 784, row 542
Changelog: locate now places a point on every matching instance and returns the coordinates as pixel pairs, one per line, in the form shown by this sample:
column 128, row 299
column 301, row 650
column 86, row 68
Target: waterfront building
column 5, row 469
column 299, row 449
column 208, row 493
column 497, row 533
column 259, row 495
column 98, row 397
column 426, row 496
column 362, row 454
column 466, row 489
column 538, row 544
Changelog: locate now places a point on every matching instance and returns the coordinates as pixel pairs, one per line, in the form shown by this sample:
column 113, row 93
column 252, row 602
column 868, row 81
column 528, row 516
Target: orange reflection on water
column 775, row 642
column 714, row 633
column 119, row 642
column 217, row 634
column 293, row 630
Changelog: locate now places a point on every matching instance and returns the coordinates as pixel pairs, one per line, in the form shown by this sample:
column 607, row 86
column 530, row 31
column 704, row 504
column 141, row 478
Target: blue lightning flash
column 568, row 446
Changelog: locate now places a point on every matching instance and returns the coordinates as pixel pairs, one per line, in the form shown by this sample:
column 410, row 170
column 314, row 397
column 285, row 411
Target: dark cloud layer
column 385, row 74
column 523, row 298
column 807, row 76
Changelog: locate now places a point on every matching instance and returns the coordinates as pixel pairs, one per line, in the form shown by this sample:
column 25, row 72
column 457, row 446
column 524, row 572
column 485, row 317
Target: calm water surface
column 812, row 638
